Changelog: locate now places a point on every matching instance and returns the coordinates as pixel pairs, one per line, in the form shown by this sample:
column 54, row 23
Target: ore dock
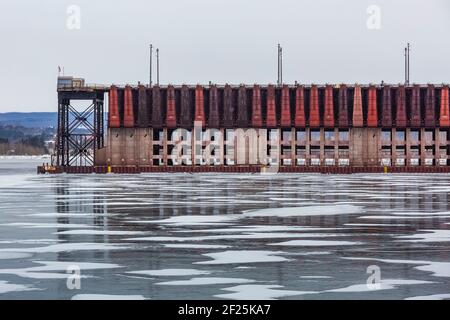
column 331, row 128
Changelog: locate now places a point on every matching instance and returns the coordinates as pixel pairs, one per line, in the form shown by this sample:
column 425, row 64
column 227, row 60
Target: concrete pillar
column 408, row 146
column 322, row 146
column 308, row 146
column 164, row 143
column 437, row 147
column 357, row 152
column 115, row 146
column 293, row 147
column 241, row 146
column 221, row 146
column 143, row 146
column 275, row 152
column 336, row 146
column 371, row 147
column 394, row 146
column 422, row 146
column 262, row 146
column 129, row 149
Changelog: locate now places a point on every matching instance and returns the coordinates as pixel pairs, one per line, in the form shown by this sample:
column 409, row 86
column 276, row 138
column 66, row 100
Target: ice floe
column 46, row 225
column 74, row 246
column 243, row 256
column 193, row 220
column 427, row 236
column 100, row 232
column 92, row 296
column 438, row 269
column 258, row 228
column 6, row 287
column 385, row 284
column 411, row 217
column 195, row 246
column 315, row 243
column 243, row 236
column 170, row 272
column 259, row 292
column 56, row 269
column 205, row 281
column 442, row 296
column 14, row 255
column 321, row 210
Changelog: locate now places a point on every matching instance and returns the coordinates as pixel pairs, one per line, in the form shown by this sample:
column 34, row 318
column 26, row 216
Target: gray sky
column 223, row 41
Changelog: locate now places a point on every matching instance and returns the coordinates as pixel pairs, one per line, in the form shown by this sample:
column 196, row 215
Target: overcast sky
column 223, row 41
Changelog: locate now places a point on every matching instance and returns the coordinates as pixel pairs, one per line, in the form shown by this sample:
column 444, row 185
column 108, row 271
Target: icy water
column 213, row 236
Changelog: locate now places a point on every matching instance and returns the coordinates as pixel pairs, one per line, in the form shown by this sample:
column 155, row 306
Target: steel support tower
column 80, row 127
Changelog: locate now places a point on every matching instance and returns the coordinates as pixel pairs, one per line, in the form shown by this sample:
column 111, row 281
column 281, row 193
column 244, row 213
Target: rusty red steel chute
column 228, row 108
column 400, row 118
column 328, row 115
column 213, row 119
column 199, row 106
column 444, row 119
column 372, row 114
column 271, row 118
column 114, row 116
column 285, row 120
column 430, row 102
column 300, row 120
column 357, row 118
column 171, row 115
column 128, row 115
column 143, row 118
column 256, row 107
column 386, row 113
column 343, row 107
column 157, row 117
column 314, row 113
column 242, row 115
column 185, row 112
column 415, row 120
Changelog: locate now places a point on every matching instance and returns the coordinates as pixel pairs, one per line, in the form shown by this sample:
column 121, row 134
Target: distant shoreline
column 11, row 157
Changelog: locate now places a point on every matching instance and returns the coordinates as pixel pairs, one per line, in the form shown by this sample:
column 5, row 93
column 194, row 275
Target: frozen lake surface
column 215, row 236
